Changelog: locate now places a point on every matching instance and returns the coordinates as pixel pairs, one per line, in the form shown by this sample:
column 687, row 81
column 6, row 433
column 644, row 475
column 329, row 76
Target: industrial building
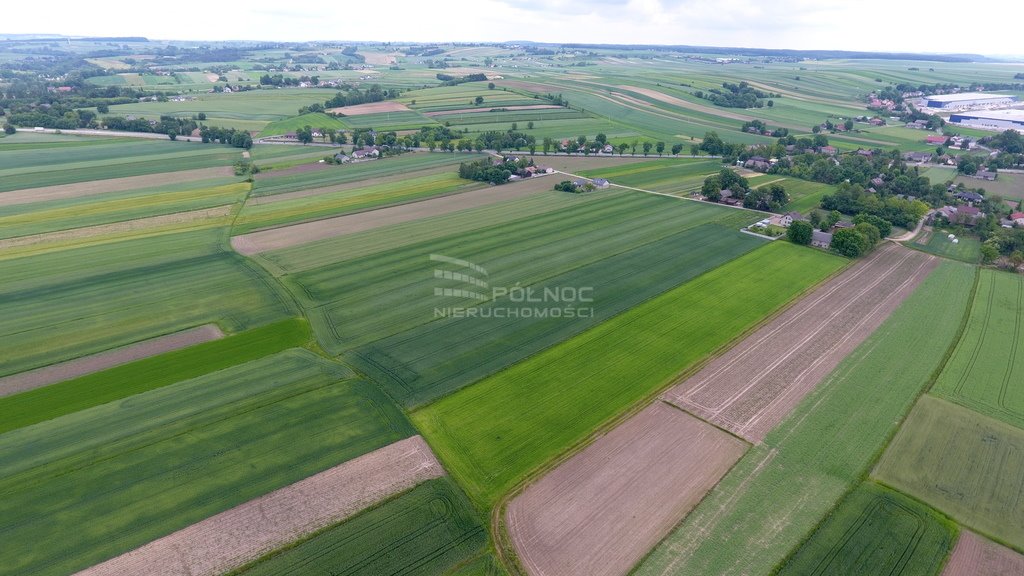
column 991, row 119
column 969, row 100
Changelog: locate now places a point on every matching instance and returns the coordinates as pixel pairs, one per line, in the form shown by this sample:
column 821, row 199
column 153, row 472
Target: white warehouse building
column 969, row 100
column 991, row 119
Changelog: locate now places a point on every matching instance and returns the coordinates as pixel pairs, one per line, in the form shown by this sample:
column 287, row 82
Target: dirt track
column 599, row 512
column 64, row 191
column 94, row 363
column 752, row 387
column 244, row 533
column 286, row 236
column 977, row 556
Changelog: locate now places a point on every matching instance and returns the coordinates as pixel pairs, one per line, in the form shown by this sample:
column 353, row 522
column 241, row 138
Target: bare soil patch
column 491, row 109
column 977, row 556
column 371, row 108
column 752, row 387
column 64, row 191
column 379, row 59
column 101, row 361
column 284, row 237
column 117, row 227
column 244, row 533
column 211, row 77
column 599, row 512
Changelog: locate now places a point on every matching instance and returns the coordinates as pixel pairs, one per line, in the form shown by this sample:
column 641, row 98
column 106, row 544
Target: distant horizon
column 997, row 58
column 865, row 26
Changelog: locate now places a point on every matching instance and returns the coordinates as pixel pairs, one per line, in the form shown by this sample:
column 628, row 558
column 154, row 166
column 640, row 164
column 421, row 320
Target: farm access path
column 661, row 461
column 246, row 532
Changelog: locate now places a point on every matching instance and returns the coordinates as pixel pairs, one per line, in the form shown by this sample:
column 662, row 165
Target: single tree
column 800, row 232
column 660, row 148
column 647, row 147
column 676, row 149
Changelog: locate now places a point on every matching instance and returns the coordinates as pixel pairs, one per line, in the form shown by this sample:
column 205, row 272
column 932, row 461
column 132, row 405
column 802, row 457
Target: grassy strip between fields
column 427, row 530
column 108, row 479
column 966, row 464
column 876, row 531
column 492, row 434
column 775, row 496
column 123, row 381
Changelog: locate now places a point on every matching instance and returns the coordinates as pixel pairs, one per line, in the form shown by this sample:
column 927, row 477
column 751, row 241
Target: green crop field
column 490, row 435
column 251, row 110
column 333, row 251
column 986, row 368
column 780, row 490
column 30, row 164
column 355, row 302
column 804, row 195
column 428, row 530
column 963, row 463
column 93, row 210
column 105, row 480
column 290, row 125
column 70, row 396
column 967, row 249
column 104, row 296
column 875, row 531
column 668, row 175
column 323, row 176
column 431, row 360
column 385, row 121
column 1009, row 186
column 410, row 189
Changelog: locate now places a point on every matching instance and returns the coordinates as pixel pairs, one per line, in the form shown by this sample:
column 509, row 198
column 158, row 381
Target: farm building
column 969, row 100
column 968, row 196
column 935, row 140
column 991, row 119
column 821, row 239
column 1017, row 218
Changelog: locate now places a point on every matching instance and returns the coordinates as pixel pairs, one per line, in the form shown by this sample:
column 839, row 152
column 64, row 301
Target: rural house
column 821, row 239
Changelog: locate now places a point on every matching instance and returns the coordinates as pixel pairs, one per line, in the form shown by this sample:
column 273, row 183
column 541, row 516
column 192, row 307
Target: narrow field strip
column 599, row 512
column 16, row 383
column 287, row 236
column 136, row 225
column 64, row 191
column 244, row 533
column 754, row 386
column 977, row 556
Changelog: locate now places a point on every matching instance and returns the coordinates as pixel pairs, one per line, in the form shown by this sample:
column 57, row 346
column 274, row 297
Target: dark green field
column 429, row 530
column 875, row 531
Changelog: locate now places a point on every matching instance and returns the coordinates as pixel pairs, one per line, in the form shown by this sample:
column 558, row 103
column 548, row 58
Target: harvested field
column 978, row 556
column 371, row 108
column 754, row 386
column 244, row 533
column 603, row 509
column 103, row 360
column 64, row 191
column 284, row 237
column 491, row 109
column 138, row 224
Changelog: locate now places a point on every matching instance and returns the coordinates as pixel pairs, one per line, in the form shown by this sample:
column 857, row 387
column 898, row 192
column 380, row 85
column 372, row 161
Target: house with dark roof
column 821, row 239
column 601, row 183
column 969, row 196
column 968, row 215
column 986, row 175
column 917, row 156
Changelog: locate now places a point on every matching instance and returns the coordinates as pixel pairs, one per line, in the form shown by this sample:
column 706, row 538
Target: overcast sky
column 875, row 25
